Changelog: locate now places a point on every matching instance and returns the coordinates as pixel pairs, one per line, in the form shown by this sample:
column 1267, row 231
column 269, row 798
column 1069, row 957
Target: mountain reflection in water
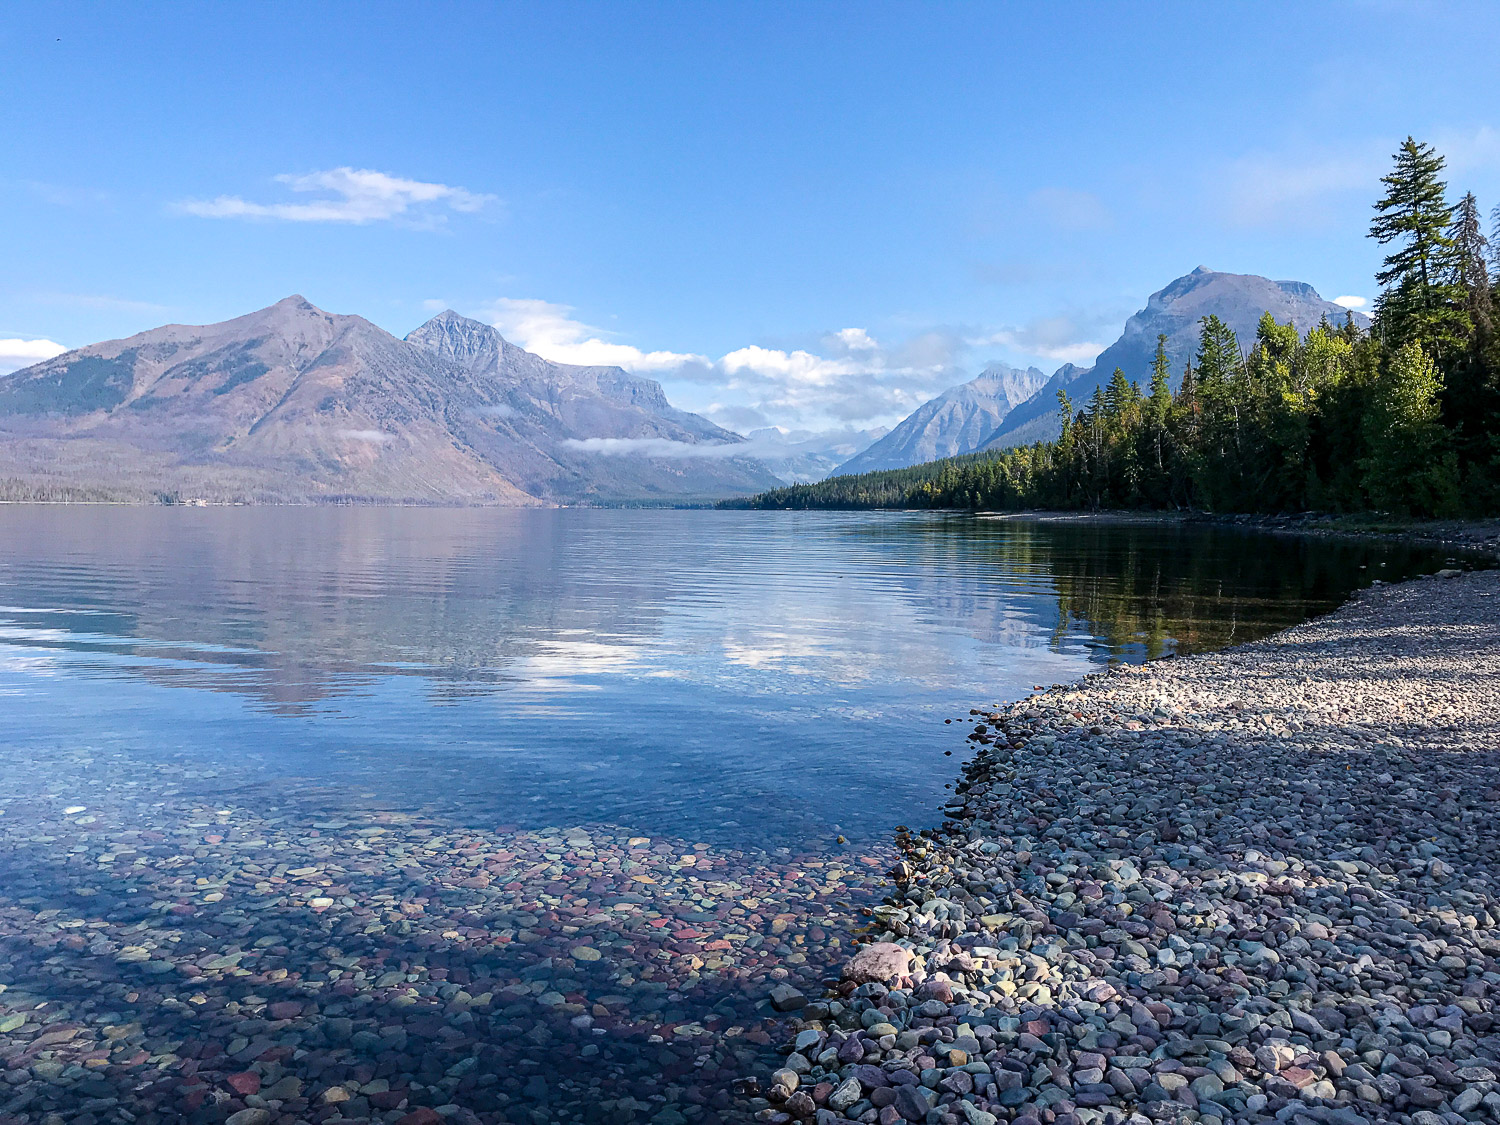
column 759, row 675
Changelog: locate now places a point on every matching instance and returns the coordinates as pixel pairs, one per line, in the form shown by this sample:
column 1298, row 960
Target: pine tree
column 1218, row 351
column 1422, row 299
column 1408, row 469
column 1121, row 394
column 1471, row 256
column 1152, row 457
column 1495, row 246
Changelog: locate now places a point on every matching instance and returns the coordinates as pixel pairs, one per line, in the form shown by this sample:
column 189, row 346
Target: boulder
column 878, row 963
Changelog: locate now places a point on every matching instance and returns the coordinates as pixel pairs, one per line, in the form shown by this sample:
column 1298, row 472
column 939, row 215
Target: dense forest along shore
column 1255, row 883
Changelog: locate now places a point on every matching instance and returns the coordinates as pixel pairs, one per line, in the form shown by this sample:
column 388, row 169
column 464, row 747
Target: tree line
column 1402, row 419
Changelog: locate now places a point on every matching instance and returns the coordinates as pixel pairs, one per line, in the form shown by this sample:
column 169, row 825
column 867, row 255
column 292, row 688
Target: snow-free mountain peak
column 956, row 421
column 291, row 403
column 1238, row 299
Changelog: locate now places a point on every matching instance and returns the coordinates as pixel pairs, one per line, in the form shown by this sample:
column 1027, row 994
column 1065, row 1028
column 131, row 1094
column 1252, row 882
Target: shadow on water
column 343, row 814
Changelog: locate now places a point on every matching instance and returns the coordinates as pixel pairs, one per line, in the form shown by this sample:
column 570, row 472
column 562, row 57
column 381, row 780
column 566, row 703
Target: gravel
column 1258, row 884
column 173, row 949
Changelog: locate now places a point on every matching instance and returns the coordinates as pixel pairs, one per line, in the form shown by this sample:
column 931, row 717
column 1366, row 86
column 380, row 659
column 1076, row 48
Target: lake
column 753, row 676
column 517, row 814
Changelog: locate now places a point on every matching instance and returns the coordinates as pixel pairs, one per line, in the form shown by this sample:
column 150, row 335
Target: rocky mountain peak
column 455, row 337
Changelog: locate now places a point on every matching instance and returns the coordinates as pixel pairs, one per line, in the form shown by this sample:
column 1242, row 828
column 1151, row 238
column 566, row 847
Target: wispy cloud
column 1057, row 338
column 349, row 195
column 771, row 443
column 1352, row 302
column 369, row 437
column 1302, row 188
column 16, row 353
column 1286, row 190
column 657, row 447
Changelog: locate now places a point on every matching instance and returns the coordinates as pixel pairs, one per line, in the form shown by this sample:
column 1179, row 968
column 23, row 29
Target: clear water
column 759, row 679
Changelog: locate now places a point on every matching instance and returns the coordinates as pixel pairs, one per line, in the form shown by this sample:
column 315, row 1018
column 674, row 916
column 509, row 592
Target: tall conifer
column 1422, row 298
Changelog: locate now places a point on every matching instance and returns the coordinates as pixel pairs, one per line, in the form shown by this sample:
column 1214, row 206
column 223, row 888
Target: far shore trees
column 1404, row 419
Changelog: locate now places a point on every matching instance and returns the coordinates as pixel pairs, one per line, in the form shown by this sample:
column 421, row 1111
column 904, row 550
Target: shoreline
column 1254, row 884
column 1480, row 536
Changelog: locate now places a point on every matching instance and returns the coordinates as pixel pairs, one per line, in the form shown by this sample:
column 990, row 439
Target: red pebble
column 244, row 1083
column 285, row 1010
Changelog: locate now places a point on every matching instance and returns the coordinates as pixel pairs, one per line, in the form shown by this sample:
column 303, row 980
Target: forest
column 1402, row 420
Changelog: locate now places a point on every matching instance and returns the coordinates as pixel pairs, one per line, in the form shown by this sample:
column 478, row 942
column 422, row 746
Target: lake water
column 517, row 816
column 758, row 677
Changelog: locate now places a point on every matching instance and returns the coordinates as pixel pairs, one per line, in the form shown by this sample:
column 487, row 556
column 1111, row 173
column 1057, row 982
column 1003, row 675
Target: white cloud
column 499, row 410
column 657, row 447
column 15, row 353
column 348, row 195
column 1351, row 302
column 847, row 377
column 796, row 367
column 856, row 340
column 373, row 437
column 548, row 330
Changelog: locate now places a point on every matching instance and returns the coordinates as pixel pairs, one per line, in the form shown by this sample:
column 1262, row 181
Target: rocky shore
column 1259, row 884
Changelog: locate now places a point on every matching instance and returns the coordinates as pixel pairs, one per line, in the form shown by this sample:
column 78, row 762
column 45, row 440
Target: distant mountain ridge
column 799, row 456
column 1176, row 309
column 295, row 404
column 956, row 421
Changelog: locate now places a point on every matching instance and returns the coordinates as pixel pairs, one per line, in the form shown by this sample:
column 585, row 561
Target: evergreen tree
column 1153, row 448
column 1408, row 470
column 1495, row 247
column 1471, row 256
column 1121, row 395
column 1407, row 421
column 1421, row 299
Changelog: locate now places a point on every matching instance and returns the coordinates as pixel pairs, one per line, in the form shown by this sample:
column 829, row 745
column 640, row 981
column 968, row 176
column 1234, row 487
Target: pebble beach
column 1252, row 885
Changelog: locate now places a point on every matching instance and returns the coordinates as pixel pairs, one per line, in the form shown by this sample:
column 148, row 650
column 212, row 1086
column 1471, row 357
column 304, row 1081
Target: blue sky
column 808, row 214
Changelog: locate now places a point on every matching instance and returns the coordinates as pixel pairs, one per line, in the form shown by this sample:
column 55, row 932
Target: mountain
column 800, row 456
column 586, row 433
column 957, row 421
column 294, row 404
column 1237, row 299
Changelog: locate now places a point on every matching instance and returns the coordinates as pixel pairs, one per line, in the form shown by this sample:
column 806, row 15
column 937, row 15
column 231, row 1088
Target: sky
column 809, row 215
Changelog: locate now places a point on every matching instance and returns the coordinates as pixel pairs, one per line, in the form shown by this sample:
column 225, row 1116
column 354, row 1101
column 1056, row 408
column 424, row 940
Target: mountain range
column 1239, row 300
column 294, row 404
column 958, row 420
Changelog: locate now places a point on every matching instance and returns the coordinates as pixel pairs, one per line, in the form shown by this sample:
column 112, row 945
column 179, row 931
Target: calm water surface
column 760, row 679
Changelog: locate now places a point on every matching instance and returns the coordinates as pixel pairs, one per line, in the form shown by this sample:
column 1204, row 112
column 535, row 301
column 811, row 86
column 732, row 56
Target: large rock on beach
column 878, row 963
